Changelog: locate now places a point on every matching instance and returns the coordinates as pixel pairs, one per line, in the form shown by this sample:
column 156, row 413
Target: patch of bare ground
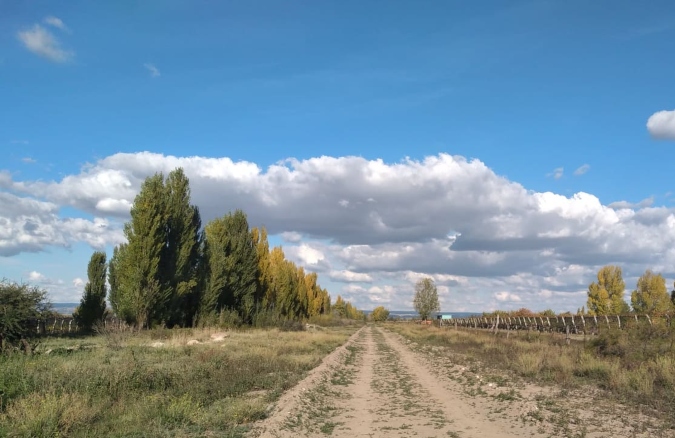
column 379, row 384
column 523, row 408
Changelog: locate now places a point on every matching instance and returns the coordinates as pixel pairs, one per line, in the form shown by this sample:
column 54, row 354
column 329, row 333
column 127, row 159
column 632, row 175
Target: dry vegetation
column 153, row 383
column 635, row 366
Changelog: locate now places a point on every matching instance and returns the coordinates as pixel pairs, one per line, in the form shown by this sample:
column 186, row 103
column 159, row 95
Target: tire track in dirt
column 376, row 385
column 469, row 420
column 304, row 396
column 385, row 399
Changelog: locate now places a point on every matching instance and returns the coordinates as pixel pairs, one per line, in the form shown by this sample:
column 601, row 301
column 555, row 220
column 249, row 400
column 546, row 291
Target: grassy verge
column 635, row 365
column 154, row 383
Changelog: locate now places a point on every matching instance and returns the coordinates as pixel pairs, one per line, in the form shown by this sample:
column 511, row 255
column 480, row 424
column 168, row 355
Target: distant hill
column 65, row 308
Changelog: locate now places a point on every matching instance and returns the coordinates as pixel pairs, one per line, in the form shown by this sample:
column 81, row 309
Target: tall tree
column 139, row 294
column 232, row 278
column 181, row 253
column 259, row 236
column 92, row 306
column 605, row 297
column 651, row 295
column 426, row 298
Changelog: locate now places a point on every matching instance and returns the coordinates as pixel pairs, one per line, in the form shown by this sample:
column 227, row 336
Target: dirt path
column 376, row 385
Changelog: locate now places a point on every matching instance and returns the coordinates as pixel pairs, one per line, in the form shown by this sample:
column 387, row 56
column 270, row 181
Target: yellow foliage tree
column 379, row 314
column 651, row 296
column 605, row 297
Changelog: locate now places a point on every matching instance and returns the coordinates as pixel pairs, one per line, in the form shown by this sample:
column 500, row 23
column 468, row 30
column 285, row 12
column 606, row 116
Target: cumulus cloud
column 30, row 225
column 349, row 276
column 35, row 276
column 661, row 125
column 647, row 202
column 354, row 221
column 506, row 296
column 582, row 169
column 291, row 236
column 79, row 283
column 154, row 71
column 43, row 43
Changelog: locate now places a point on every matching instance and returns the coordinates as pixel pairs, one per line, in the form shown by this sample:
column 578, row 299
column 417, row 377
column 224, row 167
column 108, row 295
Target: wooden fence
column 64, row 325
column 561, row 324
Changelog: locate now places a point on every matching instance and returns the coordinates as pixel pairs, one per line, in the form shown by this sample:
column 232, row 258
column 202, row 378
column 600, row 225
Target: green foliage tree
column 20, row 305
column 259, row 236
column 181, row 254
column 605, row 297
column 379, row 314
column 92, row 305
column 232, row 266
column 139, row 294
column 426, row 298
column 651, row 296
column 672, row 295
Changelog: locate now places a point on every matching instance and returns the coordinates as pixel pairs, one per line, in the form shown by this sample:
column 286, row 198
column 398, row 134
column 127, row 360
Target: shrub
column 20, row 306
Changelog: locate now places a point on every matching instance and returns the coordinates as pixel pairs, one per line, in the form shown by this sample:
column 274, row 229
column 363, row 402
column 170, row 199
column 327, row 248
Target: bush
column 379, row 314
column 21, row 306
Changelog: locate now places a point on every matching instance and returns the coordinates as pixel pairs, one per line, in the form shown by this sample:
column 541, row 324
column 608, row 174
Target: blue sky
column 534, row 90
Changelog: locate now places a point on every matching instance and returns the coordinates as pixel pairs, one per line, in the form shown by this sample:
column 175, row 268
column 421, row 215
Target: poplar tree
column 181, row 253
column 605, row 297
column 259, row 236
column 92, row 305
column 139, row 294
column 651, row 296
column 232, row 266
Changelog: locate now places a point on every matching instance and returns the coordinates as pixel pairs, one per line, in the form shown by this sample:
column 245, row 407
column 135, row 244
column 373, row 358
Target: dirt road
column 379, row 385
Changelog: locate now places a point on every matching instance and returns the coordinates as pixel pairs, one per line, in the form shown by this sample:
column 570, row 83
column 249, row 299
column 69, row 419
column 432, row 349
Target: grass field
column 635, row 365
column 153, row 383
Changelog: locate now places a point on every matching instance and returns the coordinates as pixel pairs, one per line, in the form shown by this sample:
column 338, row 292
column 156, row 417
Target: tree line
column 172, row 271
column 651, row 296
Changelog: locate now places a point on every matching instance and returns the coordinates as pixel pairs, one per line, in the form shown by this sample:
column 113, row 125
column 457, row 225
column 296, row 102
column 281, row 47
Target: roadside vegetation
column 635, row 365
column 178, row 382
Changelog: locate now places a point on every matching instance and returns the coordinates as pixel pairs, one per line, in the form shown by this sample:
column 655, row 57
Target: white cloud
column 35, row 276
column 661, row 125
column 79, row 283
column 582, row 169
column 29, row 160
column 308, row 255
column 291, row 236
column 56, row 22
column 557, row 173
column 42, row 42
column 647, row 202
column 473, row 231
column 154, row 71
column 349, row 276
column 506, row 296
column 30, row 225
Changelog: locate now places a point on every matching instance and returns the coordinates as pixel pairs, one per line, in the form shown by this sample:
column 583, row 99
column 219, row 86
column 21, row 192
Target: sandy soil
column 380, row 385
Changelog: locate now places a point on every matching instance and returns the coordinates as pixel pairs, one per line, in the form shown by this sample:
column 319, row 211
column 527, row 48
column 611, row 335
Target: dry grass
column 636, row 365
column 98, row 386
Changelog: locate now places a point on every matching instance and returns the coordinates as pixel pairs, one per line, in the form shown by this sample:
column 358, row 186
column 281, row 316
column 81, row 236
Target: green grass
column 100, row 386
